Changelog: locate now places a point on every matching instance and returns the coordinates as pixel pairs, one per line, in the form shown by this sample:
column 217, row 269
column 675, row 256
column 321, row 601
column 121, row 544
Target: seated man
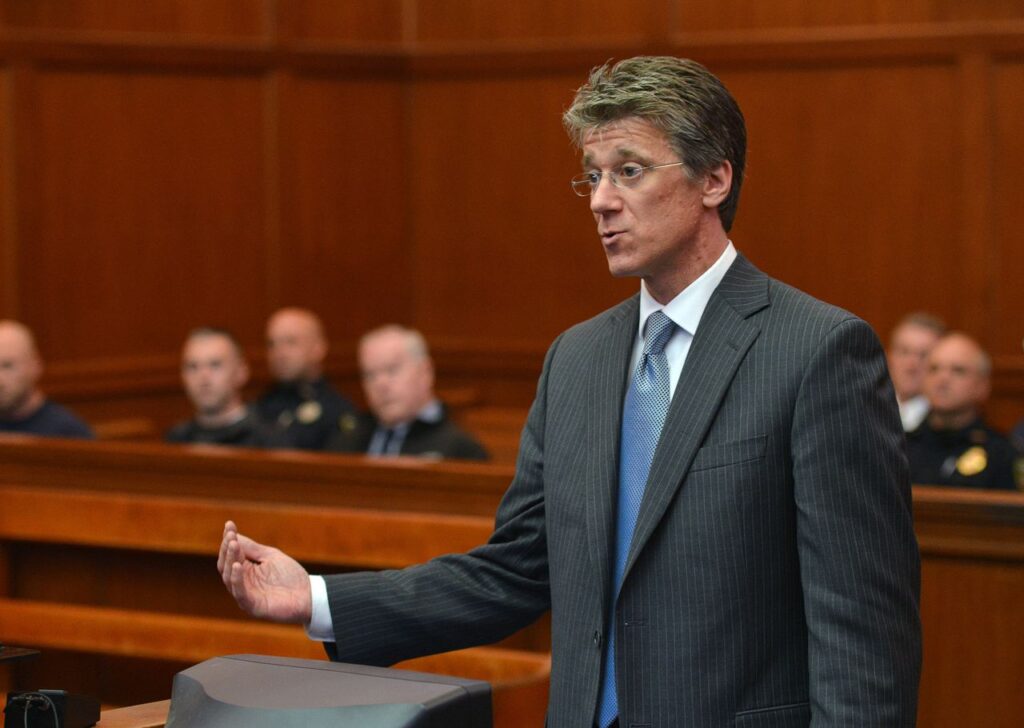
column 301, row 402
column 909, row 345
column 406, row 419
column 214, row 371
column 953, row 446
column 23, row 406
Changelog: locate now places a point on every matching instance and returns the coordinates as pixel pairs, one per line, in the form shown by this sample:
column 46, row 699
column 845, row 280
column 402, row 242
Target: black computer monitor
column 257, row 691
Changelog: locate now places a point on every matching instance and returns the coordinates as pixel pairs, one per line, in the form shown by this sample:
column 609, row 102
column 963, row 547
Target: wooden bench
column 498, row 428
column 289, row 476
column 127, row 624
column 84, row 523
column 972, row 594
column 110, row 569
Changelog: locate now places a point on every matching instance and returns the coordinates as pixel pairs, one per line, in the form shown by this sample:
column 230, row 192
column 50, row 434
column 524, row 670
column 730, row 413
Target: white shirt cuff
column 320, row 627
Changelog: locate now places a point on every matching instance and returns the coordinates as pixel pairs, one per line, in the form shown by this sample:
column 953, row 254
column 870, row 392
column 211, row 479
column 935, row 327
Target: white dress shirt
column 913, row 411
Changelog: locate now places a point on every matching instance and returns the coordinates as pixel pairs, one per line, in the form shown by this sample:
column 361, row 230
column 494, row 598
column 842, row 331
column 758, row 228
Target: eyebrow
column 624, row 154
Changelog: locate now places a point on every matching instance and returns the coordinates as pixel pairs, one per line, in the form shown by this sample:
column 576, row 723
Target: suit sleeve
column 859, row 560
column 458, row 600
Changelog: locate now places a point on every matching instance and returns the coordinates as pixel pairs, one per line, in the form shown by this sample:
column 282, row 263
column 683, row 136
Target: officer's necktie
column 389, row 435
column 643, row 415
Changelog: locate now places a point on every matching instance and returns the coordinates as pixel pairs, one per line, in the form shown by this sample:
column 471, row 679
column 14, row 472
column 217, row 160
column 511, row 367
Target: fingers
column 252, row 550
column 230, row 531
column 234, row 579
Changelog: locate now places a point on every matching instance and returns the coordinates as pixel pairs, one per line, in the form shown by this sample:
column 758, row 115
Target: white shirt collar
column 688, row 306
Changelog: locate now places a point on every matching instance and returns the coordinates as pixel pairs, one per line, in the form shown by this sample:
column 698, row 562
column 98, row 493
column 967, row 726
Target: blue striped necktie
column 643, row 416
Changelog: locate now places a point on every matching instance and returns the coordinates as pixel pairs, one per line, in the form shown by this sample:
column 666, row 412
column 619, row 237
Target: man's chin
column 621, row 270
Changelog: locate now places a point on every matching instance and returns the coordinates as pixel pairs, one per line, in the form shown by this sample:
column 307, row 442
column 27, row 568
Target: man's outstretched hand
column 265, row 581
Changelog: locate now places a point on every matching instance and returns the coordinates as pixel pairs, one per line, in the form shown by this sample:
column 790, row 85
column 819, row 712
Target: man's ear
column 716, row 185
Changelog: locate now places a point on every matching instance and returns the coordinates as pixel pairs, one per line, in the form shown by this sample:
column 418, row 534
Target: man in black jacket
column 301, row 403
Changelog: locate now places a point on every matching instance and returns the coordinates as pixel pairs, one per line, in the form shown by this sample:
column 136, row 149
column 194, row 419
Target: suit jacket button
column 597, row 638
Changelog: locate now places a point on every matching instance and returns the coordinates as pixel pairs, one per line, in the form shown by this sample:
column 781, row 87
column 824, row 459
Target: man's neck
column 951, row 420
column 695, row 264
column 430, row 411
column 26, row 408
column 228, row 416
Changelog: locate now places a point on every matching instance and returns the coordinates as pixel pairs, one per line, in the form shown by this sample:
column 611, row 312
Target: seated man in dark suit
column 954, row 446
column 406, row 418
column 23, row 406
column 214, row 371
column 301, row 403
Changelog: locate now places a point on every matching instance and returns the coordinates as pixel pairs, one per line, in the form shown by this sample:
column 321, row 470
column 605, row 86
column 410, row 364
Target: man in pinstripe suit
column 769, row 574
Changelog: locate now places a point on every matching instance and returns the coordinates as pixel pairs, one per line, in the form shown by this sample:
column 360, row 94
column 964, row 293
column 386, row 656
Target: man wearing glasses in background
column 711, row 494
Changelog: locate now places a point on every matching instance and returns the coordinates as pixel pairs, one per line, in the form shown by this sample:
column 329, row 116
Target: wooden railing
column 108, row 548
column 107, row 555
column 286, row 476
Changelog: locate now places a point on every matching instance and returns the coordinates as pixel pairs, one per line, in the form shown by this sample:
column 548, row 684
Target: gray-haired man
column 711, row 494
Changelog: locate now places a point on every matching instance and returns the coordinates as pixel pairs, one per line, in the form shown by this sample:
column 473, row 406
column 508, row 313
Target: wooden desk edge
column 147, row 715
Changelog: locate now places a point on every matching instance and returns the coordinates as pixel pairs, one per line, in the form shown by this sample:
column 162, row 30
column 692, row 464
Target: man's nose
column 605, row 196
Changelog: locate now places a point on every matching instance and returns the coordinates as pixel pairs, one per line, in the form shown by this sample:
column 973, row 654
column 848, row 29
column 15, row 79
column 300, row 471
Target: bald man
column 23, row 406
column 301, row 403
column 954, row 446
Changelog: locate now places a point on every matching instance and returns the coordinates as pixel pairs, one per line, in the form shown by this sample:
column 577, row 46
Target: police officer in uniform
column 301, row 403
column 954, row 446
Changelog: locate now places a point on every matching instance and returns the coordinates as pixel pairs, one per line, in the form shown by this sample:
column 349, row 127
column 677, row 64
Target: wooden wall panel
column 192, row 17
column 345, row 169
column 8, row 279
column 848, row 193
column 749, row 14
column 178, row 162
column 1007, row 312
column 959, row 620
column 503, row 248
column 141, row 209
column 486, row 20
column 364, row 21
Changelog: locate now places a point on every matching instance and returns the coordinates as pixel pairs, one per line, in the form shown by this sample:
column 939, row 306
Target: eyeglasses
column 626, row 176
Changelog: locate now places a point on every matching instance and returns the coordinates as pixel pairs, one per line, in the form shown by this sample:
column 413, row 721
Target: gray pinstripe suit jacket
column 773, row 576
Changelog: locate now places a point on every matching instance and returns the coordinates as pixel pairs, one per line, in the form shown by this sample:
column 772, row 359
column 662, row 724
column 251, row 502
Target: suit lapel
column 606, row 389
column 723, row 338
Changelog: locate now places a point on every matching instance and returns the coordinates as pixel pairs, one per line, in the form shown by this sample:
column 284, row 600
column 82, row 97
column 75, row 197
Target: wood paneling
column 502, row 245
column 968, row 626
column 189, row 17
column 1007, row 191
column 141, row 206
column 486, row 20
column 364, row 21
column 178, row 162
column 848, row 185
column 734, row 14
column 8, row 279
column 344, row 172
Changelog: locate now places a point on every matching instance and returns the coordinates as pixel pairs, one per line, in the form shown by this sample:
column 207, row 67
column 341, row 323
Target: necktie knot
column 658, row 331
